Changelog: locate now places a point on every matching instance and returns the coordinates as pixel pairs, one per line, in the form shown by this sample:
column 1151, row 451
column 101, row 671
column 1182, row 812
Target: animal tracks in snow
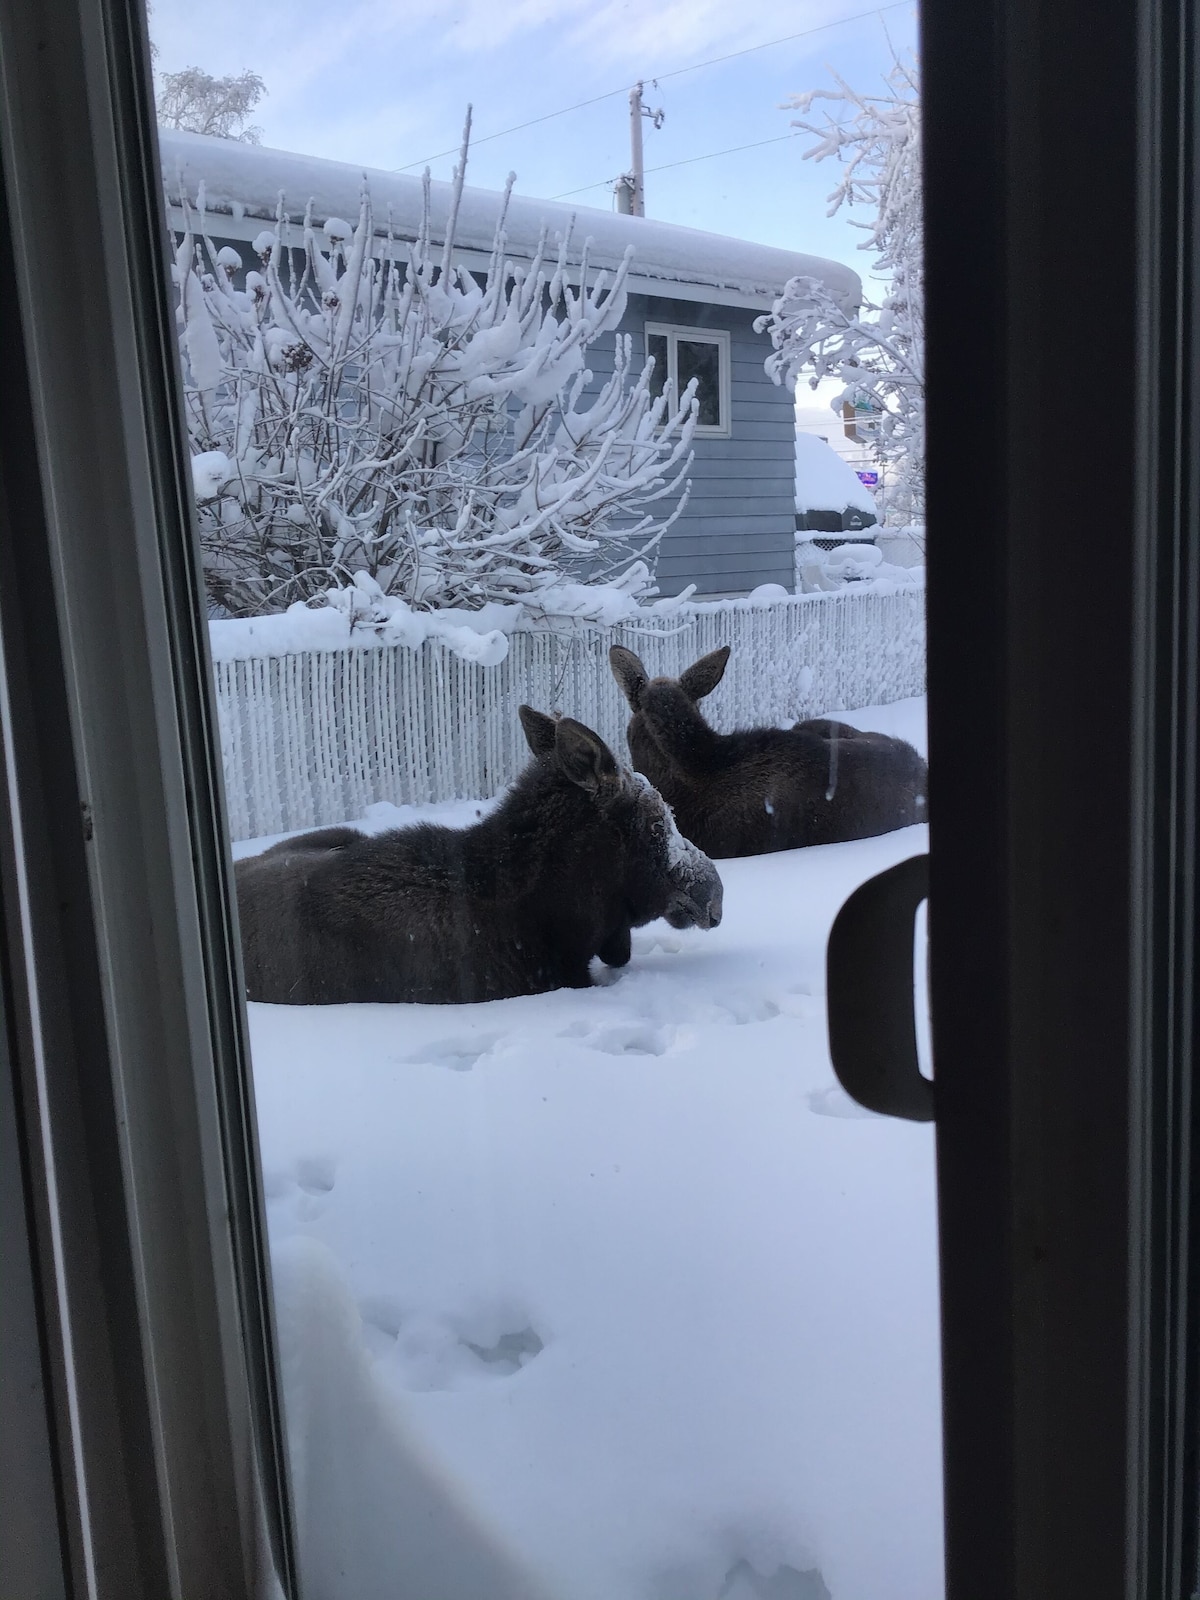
column 833, row 1101
column 628, row 1034
column 460, row 1053
column 424, row 1351
column 639, row 1036
column 315, row 1174
column 303, row 1188
column 626, row 1038
column 744, row 1008
column 745, row 1582
column 510, row 1352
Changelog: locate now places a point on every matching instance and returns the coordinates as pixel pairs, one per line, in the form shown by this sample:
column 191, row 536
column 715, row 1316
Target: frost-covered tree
column 879, row 352
column 381, row 411
column 194, row 100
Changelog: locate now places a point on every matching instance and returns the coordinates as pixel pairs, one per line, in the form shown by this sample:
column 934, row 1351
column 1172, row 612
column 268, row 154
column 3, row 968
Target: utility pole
column 631, row 186
column 638, row 167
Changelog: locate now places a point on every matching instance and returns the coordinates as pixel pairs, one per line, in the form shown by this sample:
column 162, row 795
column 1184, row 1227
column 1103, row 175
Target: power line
column 676, row 72
column 667, row 165
column 769, row 44
column 503, row 134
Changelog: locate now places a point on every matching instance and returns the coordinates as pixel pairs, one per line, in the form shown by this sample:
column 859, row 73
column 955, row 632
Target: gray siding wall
column 740, row 523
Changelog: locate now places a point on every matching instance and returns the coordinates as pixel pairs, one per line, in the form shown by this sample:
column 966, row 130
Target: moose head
column 667, row 732
column 662, row 874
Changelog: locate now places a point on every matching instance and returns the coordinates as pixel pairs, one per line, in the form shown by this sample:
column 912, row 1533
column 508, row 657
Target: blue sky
column 386, row 84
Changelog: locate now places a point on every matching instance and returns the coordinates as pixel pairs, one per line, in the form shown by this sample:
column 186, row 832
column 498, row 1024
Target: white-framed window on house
column 681, row 354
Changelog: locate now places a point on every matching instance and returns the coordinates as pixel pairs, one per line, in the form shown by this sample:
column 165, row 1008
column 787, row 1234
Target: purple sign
column 869, row 480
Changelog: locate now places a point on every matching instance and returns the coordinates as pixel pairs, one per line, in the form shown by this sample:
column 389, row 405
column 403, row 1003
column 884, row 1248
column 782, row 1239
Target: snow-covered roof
column 824, row 482
column 243, row 182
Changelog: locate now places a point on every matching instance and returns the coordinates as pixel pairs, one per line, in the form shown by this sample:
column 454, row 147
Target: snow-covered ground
column 609, row 1294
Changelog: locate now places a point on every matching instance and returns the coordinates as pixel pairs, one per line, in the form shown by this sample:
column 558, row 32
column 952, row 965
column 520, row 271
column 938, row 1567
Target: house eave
column 244, row 184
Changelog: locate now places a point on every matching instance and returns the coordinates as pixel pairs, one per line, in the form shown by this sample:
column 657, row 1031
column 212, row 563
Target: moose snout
column 699, row 904
column 711, row 907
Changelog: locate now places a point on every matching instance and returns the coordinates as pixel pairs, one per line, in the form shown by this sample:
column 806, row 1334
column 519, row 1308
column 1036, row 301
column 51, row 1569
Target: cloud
column 663, row 35
column 297, row 45
column 384, row 83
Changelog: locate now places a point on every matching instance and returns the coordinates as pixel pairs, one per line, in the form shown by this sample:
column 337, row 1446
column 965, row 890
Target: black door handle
column 869, row 993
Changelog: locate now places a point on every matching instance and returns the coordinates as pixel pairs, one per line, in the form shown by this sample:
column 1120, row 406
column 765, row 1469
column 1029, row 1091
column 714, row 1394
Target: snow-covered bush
column 878, row 353
column 390, row 414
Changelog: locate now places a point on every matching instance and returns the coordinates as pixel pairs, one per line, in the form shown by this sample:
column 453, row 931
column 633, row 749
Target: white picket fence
column 311, row 739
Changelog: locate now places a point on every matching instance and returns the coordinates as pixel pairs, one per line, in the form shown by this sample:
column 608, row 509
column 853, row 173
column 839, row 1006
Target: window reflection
column 701, row 364
column 656, row 349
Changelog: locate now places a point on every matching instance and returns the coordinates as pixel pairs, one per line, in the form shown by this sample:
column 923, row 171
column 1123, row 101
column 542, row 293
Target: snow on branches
column 385, row 412
column 879, row 352
column 194, row 100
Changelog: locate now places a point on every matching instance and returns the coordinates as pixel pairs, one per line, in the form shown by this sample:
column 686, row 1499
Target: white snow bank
column 821, row 571
column 243, row 183
column 824, row 482
column 362, row 616
column 767, row 594
column 377, row 1516
column 359, row 617
column 292, row 632
column 605, row 604
column 610, row 1293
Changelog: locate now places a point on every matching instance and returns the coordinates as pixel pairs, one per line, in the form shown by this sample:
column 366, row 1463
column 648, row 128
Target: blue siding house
column 693, row 298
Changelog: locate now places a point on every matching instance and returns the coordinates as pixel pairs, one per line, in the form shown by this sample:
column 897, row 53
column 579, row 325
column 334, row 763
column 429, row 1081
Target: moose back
column 763, row 789
column 579, row 852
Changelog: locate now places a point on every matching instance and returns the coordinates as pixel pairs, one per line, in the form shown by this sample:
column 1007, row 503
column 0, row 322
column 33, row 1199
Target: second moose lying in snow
column 579, row 852
column 763, row 789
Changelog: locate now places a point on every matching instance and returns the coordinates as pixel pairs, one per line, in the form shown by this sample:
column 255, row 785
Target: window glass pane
column 702, row 361
column 593, row 1283
column 656, row 349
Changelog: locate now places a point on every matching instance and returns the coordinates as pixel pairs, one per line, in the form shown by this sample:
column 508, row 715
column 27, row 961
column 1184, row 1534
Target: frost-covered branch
column 196, row 101
column 393, row 414
column 879, row 352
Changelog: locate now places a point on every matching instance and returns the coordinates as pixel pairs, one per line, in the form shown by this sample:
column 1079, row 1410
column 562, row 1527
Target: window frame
column 673, row 332
column 1067, row 1199
column 1063, row 745
column 120, row 983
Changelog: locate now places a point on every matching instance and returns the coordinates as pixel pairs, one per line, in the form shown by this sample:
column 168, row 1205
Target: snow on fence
column 315, row 738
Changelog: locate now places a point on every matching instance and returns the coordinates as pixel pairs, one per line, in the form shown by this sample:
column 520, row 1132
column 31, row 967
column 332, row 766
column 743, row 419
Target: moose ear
column 539, row 730
column 629, row 673
column 704, row 676
column 584, row 757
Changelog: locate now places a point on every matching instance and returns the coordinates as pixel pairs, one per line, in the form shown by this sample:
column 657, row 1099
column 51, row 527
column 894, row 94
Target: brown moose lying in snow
column 763, row 789
column 579, row 852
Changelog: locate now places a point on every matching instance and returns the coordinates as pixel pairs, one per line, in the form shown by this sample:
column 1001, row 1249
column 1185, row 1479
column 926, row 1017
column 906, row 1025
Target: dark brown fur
column 578, row 853
column 764, row 789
